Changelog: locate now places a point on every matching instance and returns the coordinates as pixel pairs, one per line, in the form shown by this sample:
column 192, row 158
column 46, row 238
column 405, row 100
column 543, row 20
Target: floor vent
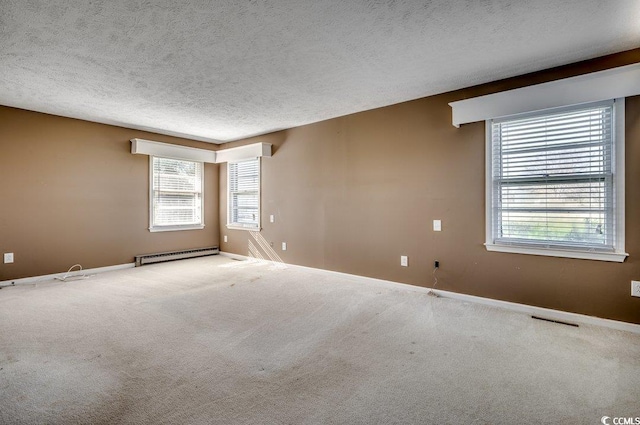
column 555, row 321
column 175, row 255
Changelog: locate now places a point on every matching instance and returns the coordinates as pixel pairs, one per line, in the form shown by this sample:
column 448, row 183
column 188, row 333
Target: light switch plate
column 437, row 225
column 8, row 257
column 635, row 288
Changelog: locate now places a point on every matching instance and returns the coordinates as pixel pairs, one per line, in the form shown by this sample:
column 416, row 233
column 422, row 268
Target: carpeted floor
column 218, row 341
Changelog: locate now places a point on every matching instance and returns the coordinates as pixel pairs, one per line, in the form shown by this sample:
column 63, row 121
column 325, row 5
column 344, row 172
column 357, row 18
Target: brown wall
column 354, row 193
column 72, row 192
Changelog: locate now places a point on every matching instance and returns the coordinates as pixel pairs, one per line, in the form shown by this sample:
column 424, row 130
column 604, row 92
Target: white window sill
column 617, row 257
column 240, row 227
column 176, row 228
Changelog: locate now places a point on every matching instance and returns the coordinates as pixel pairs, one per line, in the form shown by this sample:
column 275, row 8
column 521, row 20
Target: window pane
column 177, row 175
column 177, row 187
column 584, row 227
column 244, row 193
column 553, row 179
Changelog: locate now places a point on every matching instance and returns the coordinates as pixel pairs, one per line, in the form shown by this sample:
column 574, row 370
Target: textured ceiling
column 224, row 70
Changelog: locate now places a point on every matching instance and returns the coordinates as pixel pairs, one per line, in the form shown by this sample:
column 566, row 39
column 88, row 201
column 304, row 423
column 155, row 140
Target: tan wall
column 72, row 192
column 354, row 193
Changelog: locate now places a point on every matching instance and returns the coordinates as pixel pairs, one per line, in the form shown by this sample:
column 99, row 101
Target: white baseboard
column 238, row 256
column 520, row 308
column 41, row 278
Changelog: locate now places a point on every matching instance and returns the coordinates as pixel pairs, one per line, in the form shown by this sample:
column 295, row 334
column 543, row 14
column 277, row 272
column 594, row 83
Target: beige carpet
column 217, row 341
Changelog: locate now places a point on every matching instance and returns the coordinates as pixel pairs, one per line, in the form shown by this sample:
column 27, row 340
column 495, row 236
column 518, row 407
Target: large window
column 243, row 195
column 176, row 194
column 555, row 182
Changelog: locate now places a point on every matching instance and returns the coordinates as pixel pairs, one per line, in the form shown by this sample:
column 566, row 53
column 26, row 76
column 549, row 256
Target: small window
column 244, row 194
column 176, row 194
column 555, row 183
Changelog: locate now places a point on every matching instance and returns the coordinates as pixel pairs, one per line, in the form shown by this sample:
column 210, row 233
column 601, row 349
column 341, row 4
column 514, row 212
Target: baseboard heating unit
column 175, row 255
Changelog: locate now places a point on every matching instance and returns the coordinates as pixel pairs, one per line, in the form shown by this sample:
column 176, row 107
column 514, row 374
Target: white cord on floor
column 435, row 282
column 68, row 274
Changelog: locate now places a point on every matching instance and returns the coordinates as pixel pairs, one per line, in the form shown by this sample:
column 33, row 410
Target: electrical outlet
column 437, row 225
column 635, row 288
column 225, row 238
column 284, row 246
column 404, row 261
column 272, row 218
column 8, row 257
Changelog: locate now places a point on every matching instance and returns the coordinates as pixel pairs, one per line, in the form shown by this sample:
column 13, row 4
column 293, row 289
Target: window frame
column 172, row 228
column 235, row 225
column 618, row 170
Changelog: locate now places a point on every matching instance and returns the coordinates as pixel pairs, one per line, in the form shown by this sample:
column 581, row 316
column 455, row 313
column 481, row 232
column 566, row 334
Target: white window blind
column 552, row 179
column 176, row 196
column 244, row 194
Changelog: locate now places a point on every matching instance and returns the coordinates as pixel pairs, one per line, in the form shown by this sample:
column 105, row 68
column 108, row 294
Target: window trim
column 618, row 168
column 159, row 228
column 235, row 226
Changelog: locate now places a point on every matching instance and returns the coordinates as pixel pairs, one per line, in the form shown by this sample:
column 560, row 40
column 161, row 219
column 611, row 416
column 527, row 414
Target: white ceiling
column 224, row 70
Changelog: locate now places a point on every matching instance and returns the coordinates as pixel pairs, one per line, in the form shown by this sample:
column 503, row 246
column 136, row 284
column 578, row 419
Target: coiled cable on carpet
column 435, row 282
column 69, row 275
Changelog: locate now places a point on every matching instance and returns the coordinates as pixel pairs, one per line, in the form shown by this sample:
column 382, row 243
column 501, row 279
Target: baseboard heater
column 175, row 255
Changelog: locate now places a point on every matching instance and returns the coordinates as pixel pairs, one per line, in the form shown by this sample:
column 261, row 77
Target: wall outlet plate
column 225, row 238
column 284, row 246
column 272, row 219
column 8, row 257
column 437, row 225
column 404, row 261
column 635, row 288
